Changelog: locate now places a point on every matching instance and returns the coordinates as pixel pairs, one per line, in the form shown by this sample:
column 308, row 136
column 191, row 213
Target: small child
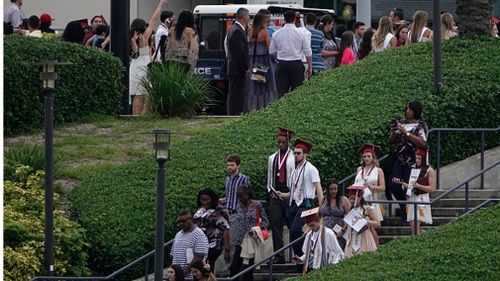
column 101, row 32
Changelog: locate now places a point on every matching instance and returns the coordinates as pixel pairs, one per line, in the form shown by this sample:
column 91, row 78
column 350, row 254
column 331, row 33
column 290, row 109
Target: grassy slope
column 467, row 249
column 337, row 111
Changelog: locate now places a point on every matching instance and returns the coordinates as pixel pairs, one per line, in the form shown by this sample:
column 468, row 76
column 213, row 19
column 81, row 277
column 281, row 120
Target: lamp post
column 48, row 76
column 162, row 151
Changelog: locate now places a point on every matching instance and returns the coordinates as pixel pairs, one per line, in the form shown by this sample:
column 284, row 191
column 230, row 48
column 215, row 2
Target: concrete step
column 473, row 193
column 396, row 221
column 383, row 239
column 276, row 276
column 398, row 230
column 457, row 202
column 442, row 211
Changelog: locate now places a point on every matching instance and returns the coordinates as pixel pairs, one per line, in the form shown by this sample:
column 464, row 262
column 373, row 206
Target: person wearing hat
column 425, row 184
column 45, row 22
column 320, row 246
column 305, row 188
column 371, row 176
column 360, row 240
column 280, row 166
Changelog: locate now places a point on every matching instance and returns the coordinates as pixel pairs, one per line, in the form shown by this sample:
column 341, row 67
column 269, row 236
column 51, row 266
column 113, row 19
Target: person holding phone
column 407, row 135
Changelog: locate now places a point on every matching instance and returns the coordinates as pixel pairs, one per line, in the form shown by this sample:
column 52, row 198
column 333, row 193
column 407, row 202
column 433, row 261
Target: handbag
column 265, row 234
column 259, row 71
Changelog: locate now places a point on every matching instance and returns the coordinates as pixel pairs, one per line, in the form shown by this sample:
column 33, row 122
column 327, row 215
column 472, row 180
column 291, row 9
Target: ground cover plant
column 466, row 249
column 91, row 84
column 337, row 111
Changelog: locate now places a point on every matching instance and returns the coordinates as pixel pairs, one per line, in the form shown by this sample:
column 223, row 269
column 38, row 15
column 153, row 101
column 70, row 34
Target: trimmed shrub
column 23, row 224
column 92, row 84
column 466, row 249
column 337, row 111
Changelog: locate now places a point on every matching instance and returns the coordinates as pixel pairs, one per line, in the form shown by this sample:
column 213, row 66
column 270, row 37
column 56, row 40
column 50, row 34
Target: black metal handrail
column 480, row 206
column 467, row 130
column 268, row 259
column 143, row 259
column 454, row 188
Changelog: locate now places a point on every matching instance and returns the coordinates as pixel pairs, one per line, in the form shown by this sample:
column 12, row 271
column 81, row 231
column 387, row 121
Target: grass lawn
column 101, row 142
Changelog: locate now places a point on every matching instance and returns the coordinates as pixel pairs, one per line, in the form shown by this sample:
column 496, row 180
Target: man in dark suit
column 237, row 63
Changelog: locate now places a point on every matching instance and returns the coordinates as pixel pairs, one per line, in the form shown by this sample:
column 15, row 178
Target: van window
column 212, row 32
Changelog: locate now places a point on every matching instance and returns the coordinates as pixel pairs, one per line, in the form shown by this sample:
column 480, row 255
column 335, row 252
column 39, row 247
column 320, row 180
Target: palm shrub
column 174, row 91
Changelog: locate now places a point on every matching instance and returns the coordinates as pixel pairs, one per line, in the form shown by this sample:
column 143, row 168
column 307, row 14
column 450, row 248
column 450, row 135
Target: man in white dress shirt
column 289, row 44
column 161, row 35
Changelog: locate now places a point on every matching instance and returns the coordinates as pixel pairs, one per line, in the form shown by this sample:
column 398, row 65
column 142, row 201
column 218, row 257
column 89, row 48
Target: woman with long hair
column 425, row 184
column 419, row 31
column 361, row 240
column 330, row 48
column 260, row 94
column 334, row 208
column 366, row 43
column 402, row 35
column 139, row 53
column 202, row 272
column 182, row 47
column 213, row 219
column 383, row 37
column 370, row 175
column 448, row 27
column 346, row 54
column 175, row 273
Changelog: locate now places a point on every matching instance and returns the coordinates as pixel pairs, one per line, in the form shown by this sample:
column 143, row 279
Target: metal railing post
column 146, row 269
column 270, row 268
column 415, row 219
column 438, row 159
column 482, row 159
column 467, row 195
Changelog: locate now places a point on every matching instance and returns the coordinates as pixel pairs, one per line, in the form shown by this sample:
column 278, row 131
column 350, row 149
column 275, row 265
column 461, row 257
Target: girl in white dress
column 139, row 53
column 419, row 32
column 384, row 37
column 371, row 176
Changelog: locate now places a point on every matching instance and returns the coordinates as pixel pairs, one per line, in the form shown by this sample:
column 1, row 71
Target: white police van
column 212, row 24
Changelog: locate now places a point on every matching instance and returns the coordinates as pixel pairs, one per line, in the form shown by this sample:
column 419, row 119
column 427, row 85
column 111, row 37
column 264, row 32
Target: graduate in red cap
column 370, row 175
column 425, row 185
column 305, row 188
column 360, row 219
column 280, row 166
column 45, row 23
column 320, row 246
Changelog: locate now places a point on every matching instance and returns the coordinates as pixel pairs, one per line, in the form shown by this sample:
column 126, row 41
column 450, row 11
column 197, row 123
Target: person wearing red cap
column 45, row 22
column 425, row 184
column 371, row 176
column 320, row 246
column 280, row 166
column 305, row 188
column 407, row 134
column 361, row 240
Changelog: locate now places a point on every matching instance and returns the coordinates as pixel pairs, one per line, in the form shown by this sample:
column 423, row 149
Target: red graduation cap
column 369, row 148
column 284, row 132
column 310, row 215
column 356, row 189
column 306, row 146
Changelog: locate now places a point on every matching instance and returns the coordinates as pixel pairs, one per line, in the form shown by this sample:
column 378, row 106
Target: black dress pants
column 238, row 88
column 289, row 75
column 277, row 215
column 237, row 266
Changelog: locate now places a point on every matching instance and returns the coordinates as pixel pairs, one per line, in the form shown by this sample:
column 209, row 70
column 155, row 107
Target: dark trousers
column 237, row 94
column 400, row 171
column 289, row 75
column 296, row 224
column 237, row 266
column 213, row 255
column 277, row 215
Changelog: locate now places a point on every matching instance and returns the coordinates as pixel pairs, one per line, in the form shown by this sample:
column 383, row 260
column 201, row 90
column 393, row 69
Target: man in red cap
column 320, row 246
column 45, row 22
column 305, row 188
column 280, row 166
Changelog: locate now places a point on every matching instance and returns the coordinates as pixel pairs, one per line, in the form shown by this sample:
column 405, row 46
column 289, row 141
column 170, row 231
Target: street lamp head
column 162, row 144
column 49, row 74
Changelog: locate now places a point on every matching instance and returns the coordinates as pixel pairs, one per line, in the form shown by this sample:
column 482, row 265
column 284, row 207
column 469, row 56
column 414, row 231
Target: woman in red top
column 346, row 53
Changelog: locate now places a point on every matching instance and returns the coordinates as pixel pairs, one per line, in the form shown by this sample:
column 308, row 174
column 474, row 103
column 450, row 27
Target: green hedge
column 467, row 249
column 92, row 84
column 337, row 111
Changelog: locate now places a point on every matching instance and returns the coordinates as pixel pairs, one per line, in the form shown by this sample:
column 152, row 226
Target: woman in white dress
column 384, row 37
column 371, row 176
column 419, row 31
column 425, row 184
column 139, row 54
